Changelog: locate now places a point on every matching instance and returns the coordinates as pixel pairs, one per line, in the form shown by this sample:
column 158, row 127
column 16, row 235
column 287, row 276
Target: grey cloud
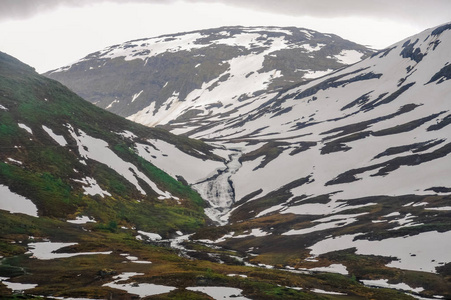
column 413, row 11
column 22, row 9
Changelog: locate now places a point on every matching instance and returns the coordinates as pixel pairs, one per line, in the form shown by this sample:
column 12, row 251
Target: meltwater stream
column 218, row 190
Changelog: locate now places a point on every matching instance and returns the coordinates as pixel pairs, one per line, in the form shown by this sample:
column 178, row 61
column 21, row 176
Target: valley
column 323, row 179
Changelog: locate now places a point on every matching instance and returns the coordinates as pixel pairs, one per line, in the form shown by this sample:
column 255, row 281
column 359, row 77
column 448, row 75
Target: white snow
column 23, row 126
column 422, row 252
column 57, row 138
column 92, row 188
column 242, row 69
column 443, row 208
column 141, row 289
column 237, row 275
column 311, row 48
column 99, row 150
column 141, row 262
column 307, row 33
column 398, row 286
column 82, row 220
column 393, row 214
column 16, row 286
column 327, row 292
column 15, row 203
column 311, row 74
column 413, row 179
column 156, row 46
column 45, row 250
column 406, row 221
column 349, row 56
column 3, row 108
column 219, row 292
column 333, row 221
column 257, row 232
column 150, row 235
column 14, row 161
column 333, row 268
column 112, row 103
column 127, row 134
column 163, row 155
column 135, row 96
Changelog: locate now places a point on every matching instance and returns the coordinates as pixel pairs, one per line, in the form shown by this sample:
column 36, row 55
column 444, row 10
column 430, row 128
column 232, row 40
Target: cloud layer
column 414, row 11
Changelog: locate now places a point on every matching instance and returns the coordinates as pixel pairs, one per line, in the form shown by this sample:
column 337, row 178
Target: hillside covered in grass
column 70, row 158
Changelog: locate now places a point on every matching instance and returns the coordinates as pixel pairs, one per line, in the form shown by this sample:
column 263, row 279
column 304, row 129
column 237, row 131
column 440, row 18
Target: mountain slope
column 201, row 75
column 363, row 126
column 348, row 168
column 68, row 157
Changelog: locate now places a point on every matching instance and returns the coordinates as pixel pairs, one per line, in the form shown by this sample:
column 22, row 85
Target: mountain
column 345, row 173
column 318, row 189
column 348, row 169
column 58, row 150
column 86, row 214
column 202, row 75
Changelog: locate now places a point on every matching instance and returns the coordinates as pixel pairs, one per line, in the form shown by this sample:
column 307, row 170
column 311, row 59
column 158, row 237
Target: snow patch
column 57, row 138
column 333, row 268
column 426, row 251
column 112, row 103
column 14, row 161
column 311, row 48
column 398, row 286
column 349, row 56
column 219, row 292
column 23, row 126
column 16, row 286
column 150, row 235
column 92, row 188
column 82, row 220
column 141, row 289
column 46, row 250
column 135, row 96
column 311, row 74
column 99, row 150
column 15, row 203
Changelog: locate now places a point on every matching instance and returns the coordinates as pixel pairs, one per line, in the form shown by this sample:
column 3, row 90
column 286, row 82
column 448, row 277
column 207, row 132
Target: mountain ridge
column 191, row 74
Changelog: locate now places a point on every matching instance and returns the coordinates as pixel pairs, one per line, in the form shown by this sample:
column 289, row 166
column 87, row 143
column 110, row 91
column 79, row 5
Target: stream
column 218, row 190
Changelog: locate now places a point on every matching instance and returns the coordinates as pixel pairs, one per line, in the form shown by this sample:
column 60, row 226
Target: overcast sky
column 48, row 34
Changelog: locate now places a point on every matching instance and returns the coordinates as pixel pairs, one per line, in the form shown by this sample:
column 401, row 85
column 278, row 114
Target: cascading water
column 218, row 190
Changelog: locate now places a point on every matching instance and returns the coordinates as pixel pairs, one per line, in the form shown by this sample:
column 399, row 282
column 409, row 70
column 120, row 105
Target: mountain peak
column 158, row 80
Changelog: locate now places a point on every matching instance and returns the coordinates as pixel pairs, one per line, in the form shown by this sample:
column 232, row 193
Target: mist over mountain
column 305, row 167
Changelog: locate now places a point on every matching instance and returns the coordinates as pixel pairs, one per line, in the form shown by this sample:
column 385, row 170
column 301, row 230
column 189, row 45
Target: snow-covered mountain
column 347, row 173
column 358, row 159
column 175, row 79
column 378, row 127
column 85, row 214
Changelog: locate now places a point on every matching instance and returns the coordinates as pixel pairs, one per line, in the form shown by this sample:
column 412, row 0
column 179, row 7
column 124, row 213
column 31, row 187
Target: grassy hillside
column 33, row 165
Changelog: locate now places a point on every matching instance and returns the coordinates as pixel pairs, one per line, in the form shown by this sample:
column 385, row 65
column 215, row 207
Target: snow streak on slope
column 96, row 149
